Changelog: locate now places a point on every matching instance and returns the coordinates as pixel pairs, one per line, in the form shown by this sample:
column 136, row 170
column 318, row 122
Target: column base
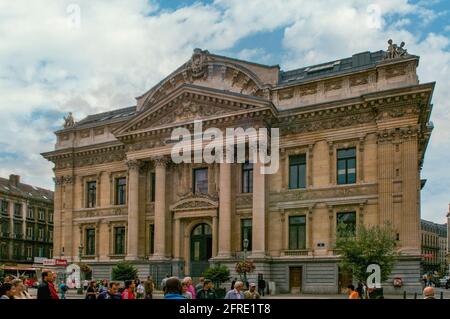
column 159, row 258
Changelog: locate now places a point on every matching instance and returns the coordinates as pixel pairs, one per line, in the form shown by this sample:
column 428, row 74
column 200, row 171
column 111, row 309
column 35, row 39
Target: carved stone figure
column 394, row 51
column 197, row 63
column 69, row 121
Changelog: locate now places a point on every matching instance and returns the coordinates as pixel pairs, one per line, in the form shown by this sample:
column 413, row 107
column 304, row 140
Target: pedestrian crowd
column 172, row 287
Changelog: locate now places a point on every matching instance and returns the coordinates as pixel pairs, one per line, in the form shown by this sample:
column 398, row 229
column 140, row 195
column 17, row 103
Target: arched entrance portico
column 200, row 249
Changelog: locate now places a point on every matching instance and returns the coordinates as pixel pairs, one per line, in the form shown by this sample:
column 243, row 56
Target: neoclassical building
column 353, row 135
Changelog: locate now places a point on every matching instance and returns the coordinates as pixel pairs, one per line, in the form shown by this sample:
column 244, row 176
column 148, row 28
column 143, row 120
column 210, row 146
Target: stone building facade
column 434, row 247
column 353, row 135
column 26, row 222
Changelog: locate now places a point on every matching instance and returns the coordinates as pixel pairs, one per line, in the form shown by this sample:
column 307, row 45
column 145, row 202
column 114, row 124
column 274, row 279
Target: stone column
column 177, row 239
column 225, row 210
column 68, row 231
column 160, row 208
column 133, row 210
column 259, row 211
column 214, row 236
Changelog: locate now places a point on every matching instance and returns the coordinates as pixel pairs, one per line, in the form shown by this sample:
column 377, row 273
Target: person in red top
column 46, row 289
column 128, row 292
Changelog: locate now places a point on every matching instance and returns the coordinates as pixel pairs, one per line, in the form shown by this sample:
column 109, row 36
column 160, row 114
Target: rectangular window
column 246, row 233
column 152, row 239
column 200, row 184
column 152, row 187
column 29, row 251
column 50, row 235
column 30, row 213
column 4, row 207
column 18, row 233
column 91, row 194
column 119, row 240
column 297, row 232
column 30, row 232
column 348, row 220
column 18, row 210
column 346, row 166
column 41, row 234
column 121, row 190
column 90, row 242
column 5, row 228
column 50, row 253
column 41, row 214
column 297, row 171
column 41, row 251
column 50, row 217
column 247, row 177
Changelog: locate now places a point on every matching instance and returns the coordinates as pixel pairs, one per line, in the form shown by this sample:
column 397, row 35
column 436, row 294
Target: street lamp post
column 80, row 252
column 246, row 241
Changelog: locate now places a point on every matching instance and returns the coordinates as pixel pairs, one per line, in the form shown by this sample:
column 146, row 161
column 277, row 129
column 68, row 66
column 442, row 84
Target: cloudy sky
column 91, row 56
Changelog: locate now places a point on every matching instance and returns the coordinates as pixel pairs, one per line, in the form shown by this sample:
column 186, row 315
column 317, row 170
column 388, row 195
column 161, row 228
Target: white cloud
column 123, row 48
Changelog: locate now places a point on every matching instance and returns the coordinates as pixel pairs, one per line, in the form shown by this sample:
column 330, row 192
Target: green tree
column 217, row 274
column 370, row 245
column 124, row 271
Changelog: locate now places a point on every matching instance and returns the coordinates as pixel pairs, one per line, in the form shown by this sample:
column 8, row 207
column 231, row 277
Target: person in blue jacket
column 173, row 289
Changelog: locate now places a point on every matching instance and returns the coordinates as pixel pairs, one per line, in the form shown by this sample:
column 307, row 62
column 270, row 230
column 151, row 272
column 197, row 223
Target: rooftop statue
column 394, row 51
column 69, row 121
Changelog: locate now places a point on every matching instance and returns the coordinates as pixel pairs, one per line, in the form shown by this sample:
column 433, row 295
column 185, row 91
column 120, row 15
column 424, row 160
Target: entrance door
column 295, row 280
column 201, row 249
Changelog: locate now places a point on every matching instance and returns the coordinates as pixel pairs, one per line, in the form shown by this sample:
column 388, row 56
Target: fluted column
column 133, row 210
column 225, row 210
column 160, row 208
column 259, row 211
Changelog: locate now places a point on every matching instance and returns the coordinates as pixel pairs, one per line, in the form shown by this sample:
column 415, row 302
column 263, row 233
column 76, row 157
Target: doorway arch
column 200, row 249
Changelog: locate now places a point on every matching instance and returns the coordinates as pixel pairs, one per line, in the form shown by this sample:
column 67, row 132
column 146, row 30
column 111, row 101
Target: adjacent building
column 26, row 222
column 353, row 135
column 434, row 247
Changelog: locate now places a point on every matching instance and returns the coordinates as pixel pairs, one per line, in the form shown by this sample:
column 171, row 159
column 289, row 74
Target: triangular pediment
column 188, row 104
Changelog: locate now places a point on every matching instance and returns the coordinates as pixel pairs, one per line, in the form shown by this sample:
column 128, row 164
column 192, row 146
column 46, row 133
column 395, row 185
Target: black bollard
column 415, row 295
column 404, row 294
column 442, row 295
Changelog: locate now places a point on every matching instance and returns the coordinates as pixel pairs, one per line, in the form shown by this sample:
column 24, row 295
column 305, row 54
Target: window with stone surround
column 200, row 180
column 348, row 220
column 346, row 166
column 297, row 232
column 5, row 228
column 89, row 245
column 4, row 205
column 41, row 214
column 297, row 171
column 17, row 210
column 18, row 231
column 30, row 213
column 91, row 194
column 246, row 232
column 121, row 190
column 247, row 177
column 50, row 216
column 30, row 232
column 41, row 233
column 29, row 251
column 119, row 240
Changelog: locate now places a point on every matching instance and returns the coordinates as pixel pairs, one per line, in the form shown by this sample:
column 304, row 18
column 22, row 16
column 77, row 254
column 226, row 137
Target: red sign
column 61, row 262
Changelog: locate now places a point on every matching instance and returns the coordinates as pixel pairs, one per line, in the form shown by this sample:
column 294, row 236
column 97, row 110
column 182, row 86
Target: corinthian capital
column 161, row 161
column 133, row 164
